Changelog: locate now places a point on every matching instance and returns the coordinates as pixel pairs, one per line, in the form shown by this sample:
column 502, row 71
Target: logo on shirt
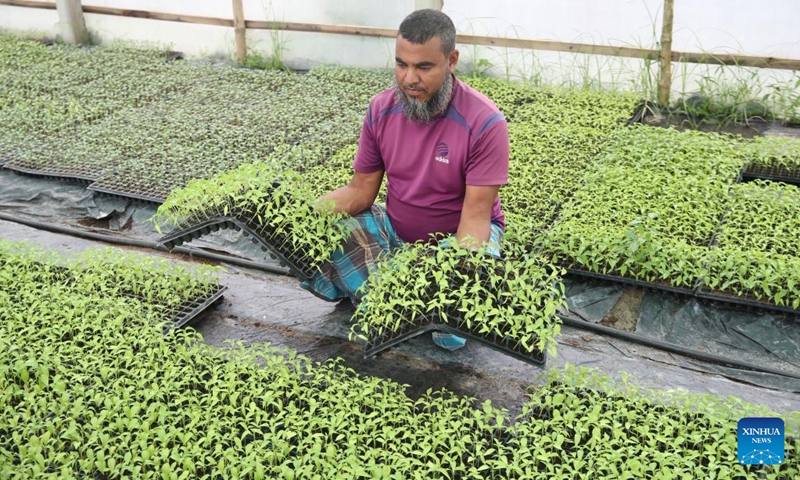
column 441, row 152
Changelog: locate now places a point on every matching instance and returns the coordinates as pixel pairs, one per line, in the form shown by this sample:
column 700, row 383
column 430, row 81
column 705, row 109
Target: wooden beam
column 665, row 57
column 738, row 60
column 323, row 28
column 24, row 3
column 168, row 17
column 704, row 58
column 553, row 46
column 239, row 31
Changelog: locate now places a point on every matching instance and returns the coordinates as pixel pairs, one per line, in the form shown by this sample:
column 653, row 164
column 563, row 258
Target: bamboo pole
column 704, row 58
column 71, row 23
column 665, row 80
column 239, row 31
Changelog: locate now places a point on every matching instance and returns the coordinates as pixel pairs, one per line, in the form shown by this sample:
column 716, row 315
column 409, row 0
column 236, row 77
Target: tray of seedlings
column 83, row 350
column 772, row 158
column 647, row 209
column 508, row 303
column 584, row 424
column 755, row 259
column 277, row 210
column 176, row 294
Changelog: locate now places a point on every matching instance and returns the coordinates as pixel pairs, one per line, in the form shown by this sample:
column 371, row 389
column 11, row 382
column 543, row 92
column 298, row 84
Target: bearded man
column 444, row 150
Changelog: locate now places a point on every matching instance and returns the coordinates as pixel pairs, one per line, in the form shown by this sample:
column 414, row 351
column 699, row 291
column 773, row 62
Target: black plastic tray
column 720, row 296
column 698, row 292
column 181, row 235
column 640, row 112
column 48, row 173
column 191, row 308
column 772, row 173
column 118, row 193
column 631, row 281
column 6, row 157
column 537, row 358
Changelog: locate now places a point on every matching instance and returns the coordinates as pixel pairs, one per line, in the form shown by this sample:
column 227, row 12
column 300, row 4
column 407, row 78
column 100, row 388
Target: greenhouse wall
column 720, row 26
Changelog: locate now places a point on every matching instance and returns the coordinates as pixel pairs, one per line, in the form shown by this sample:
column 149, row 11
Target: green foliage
column 278, row 204
column 510, row 301
column 649, row 207
column 773, row 152
column 555, row 134
column 90, row 387
column 137, row 124
column 758, row 244
column 614, row 429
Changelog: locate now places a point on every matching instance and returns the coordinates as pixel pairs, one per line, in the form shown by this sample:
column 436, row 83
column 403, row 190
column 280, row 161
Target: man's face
column 421, row 70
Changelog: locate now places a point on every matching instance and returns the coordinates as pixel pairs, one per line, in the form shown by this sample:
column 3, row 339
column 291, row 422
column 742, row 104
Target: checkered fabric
column 371, row 235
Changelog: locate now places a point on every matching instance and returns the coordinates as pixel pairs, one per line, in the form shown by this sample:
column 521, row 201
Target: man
column 444, row 150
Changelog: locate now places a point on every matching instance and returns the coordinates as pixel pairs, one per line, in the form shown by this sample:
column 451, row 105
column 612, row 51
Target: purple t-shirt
column 428, row 166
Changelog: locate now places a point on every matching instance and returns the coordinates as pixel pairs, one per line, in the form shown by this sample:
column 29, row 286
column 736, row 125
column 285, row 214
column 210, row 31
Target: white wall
column 730, row 26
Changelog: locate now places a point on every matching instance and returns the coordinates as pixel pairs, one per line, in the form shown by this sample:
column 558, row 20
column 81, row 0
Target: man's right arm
column 356, row 196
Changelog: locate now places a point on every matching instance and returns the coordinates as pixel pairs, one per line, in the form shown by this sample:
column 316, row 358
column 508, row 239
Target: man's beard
column 429, row 110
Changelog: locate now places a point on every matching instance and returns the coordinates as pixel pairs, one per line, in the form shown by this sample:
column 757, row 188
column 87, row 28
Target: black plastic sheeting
column 757, row 337
column 71, row 204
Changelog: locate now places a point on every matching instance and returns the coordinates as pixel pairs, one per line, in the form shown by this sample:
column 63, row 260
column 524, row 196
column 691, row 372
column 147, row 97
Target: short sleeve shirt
column 428, row 166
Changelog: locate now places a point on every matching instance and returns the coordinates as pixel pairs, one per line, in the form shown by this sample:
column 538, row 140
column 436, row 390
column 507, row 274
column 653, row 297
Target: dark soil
column 625, row 313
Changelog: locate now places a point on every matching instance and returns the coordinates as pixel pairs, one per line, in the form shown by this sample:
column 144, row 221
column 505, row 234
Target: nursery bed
column 261, row 307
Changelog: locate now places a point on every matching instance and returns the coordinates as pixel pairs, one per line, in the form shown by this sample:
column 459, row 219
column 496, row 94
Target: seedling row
column 666, row 208
column 92, row 388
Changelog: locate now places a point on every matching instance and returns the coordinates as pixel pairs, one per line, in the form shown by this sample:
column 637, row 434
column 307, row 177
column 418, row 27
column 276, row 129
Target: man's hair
column 422, row 25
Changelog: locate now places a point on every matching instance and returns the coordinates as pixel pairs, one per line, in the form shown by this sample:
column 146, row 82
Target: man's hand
column 474, row 229
column 356, row 196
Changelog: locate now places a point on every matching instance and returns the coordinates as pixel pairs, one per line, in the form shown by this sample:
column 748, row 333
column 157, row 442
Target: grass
column 706, row 95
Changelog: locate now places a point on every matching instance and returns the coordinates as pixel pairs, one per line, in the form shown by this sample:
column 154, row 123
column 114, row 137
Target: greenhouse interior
column 238, row 237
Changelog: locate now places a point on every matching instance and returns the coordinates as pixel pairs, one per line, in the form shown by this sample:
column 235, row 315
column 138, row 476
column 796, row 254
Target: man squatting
column 444, row 149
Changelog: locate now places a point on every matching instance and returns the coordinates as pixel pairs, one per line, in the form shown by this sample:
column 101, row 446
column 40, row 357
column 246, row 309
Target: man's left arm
column 474, row 228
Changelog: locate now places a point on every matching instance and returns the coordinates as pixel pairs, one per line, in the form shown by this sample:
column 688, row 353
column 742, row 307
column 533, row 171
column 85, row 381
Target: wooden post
column 239, row 31
column 71, row 22
column 434, row 4
column 665, row 80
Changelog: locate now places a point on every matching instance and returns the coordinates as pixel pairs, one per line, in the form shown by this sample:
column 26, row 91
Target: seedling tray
column 455, row 327
column 191, row 308
column 772, row 173
column 721, row 296
column 631, row 281
column 55, row 173
column 6, row 157
column 181, row 235
column 144, row 197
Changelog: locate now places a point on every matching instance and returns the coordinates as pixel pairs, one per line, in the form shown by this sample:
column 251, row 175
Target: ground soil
column 625, row 313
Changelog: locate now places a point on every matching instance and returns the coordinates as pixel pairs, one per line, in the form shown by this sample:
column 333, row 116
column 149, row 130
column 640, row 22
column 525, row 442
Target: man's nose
column 411, row 76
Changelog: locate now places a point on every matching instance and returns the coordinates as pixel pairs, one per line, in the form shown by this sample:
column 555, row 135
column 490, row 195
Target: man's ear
column 453, row 61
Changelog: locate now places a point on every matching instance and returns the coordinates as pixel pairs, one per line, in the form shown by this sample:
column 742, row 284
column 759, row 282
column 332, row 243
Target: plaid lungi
column 371, row 236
